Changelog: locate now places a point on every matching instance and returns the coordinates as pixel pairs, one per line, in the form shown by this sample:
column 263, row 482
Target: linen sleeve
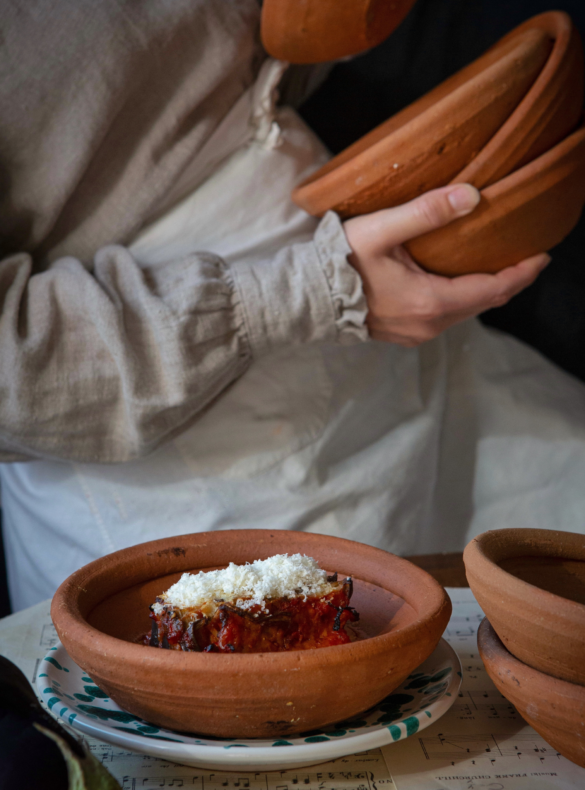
column 104, row 366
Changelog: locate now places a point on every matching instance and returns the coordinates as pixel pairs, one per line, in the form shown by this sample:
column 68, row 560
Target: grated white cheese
column 250, row 585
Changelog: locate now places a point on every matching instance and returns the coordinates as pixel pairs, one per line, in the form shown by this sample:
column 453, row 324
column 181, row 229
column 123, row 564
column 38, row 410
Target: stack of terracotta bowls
column 531, row 585
column 510, row 123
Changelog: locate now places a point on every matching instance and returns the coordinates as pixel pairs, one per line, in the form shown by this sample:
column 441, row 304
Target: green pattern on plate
column 94, row 691
column 146, row 735
column 411, row 725
column 104, row 714
column 52, row 661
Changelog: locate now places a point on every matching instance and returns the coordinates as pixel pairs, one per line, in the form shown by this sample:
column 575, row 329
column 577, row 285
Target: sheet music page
column 25, row 639
column 482, row 743
column 365, row 771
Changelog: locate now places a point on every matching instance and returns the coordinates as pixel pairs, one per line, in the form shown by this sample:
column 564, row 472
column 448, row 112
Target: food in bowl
column 103, row 608
column 267, row 606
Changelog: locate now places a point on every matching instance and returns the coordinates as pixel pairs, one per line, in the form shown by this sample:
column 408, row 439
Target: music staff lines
column 464, row 626
column 49, row 636
column 339, row 780
column 491, row 702
column 486, row 746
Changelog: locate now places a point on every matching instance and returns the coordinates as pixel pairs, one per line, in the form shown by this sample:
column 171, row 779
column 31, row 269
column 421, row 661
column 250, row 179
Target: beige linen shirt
column 102, row 107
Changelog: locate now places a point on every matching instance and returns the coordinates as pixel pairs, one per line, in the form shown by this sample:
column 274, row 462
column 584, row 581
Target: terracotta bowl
column 529, row 211
column 429, row 142
column 546, row 115
column 554, row 708
column 531, row 585
column 313, row 31
column 102, row 609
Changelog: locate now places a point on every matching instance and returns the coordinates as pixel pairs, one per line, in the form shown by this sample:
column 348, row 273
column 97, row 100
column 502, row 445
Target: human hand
column 407, row 305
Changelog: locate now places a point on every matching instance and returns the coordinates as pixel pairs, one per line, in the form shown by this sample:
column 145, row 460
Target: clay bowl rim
column 482, row 551
column 560, row 688
column 560, row 28
column 533, row 169
column 346, row 164
column 494, row 197
column 69, row 620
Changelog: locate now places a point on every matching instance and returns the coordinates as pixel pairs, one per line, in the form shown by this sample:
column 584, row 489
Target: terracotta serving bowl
column 102, row 609
column 429, row 142
column 313, row 31
column 529, row 211
column 531, row 585
column 554, row 708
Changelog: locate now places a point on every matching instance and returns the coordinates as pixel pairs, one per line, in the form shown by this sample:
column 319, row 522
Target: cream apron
column 412, row 450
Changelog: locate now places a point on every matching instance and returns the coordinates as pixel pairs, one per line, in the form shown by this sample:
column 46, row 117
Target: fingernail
column 464, row 198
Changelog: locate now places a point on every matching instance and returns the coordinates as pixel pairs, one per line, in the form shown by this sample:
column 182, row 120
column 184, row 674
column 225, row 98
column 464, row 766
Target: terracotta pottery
column 425, row 145
column 527, row 212
column 550, row 110
column 531, row 585
column 554, row 708
column 102, row 609
column 313, row 31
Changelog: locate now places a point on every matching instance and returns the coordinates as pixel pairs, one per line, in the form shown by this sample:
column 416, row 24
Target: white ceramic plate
column 423, row 698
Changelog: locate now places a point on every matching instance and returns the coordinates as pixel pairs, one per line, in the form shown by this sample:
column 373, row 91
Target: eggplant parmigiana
column 282, row 603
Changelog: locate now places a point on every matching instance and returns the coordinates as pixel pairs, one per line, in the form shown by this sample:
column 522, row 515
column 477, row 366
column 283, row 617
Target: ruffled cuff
column 345, row 284
column 308, row 293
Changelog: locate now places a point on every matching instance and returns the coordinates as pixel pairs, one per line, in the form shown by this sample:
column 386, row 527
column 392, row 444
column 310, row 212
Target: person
column 182, row 349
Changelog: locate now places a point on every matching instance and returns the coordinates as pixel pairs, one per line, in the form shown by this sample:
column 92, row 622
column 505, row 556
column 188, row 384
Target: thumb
column 425, row 213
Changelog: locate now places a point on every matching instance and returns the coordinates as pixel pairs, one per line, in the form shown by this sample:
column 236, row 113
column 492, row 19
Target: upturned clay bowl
column 429, row 142
column 554, row 708
column 313, row 31
column 529, row 211
column 531, row 585
column 102, row 609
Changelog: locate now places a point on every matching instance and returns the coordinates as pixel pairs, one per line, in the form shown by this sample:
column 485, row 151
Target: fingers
column 430, row 211
column 471, row 294
column 518, row 277
column 406, row 304
column 419, row 306
column 387, row 228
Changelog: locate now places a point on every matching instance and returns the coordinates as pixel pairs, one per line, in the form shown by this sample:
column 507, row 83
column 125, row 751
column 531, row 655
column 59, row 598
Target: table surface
column 411, row 764
column 447, row 569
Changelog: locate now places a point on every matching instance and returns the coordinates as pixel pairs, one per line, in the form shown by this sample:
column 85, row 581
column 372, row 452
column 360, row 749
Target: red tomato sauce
column 285, row 624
